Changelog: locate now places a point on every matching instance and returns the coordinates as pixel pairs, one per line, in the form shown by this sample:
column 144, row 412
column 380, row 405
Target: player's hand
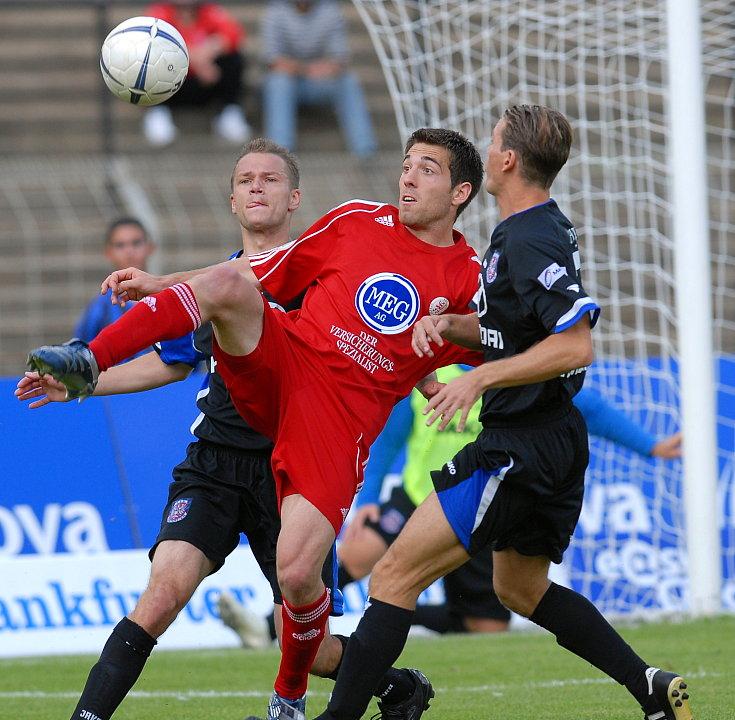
column 668, row 448
column 130, row 284
column 41, row 389
column 363, row 514
column 459, row 395
column 322, row 69
column 427, row 330
column 430, row 388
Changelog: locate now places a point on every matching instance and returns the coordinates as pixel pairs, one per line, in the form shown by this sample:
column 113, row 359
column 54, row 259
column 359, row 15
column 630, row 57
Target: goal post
column 688, row 162
column 642, row 88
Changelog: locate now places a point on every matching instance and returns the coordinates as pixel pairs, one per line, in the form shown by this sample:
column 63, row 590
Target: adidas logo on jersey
column 386, row 220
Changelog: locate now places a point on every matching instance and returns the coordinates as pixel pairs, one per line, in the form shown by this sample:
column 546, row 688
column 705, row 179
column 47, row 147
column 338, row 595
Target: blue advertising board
column 92, row 477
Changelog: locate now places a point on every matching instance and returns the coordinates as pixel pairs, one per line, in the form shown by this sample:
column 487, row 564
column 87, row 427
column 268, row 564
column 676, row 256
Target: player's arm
column 142, row 373
column 555, row 355
column 463, row 330
column 606, row 421
column 284, row 271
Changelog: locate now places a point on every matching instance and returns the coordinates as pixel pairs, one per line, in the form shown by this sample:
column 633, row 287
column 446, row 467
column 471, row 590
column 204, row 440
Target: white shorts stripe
column 493, row 483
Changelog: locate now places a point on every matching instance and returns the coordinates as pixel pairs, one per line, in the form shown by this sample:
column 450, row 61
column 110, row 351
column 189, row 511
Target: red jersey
column 369, row 279
column 210, row 19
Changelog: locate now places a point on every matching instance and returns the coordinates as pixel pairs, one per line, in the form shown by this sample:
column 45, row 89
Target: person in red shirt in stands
column 216, row 66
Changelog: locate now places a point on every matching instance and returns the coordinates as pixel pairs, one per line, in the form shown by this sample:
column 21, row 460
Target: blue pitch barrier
column 91, row 477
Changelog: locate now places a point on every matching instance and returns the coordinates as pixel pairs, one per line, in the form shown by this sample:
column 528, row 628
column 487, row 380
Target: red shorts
column 284, row 391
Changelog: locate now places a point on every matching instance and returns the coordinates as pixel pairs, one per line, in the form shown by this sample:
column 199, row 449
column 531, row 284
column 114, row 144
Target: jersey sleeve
column 286, row 271
column 545, row 275
column 180, row 350
column 605, row 421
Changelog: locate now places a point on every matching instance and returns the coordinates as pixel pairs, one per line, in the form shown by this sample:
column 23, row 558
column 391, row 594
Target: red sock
column 303, row 632
column 164, row 316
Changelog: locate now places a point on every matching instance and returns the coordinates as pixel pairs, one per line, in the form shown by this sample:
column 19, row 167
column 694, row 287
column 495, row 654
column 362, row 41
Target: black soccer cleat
column 72, row 364
column 669, row 698
column 413, row 707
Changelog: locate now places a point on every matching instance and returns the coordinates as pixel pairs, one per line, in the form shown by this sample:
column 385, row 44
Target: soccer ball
column 144, row 60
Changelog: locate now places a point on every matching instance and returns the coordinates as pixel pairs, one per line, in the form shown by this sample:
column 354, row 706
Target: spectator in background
column 305, row 47
column 126, row 245
column 216, row 66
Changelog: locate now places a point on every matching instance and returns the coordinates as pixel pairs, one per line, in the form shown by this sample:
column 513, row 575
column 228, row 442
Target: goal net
column 458, row 64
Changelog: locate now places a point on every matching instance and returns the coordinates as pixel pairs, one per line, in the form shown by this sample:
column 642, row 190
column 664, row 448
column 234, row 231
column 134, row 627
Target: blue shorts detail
column 465, row 503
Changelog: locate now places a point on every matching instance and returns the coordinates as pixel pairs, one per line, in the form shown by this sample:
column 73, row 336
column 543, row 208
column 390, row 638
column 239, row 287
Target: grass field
column 517, row 676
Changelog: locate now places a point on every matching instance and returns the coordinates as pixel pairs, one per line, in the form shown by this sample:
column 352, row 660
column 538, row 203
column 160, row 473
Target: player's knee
column 224, row 287
column 516, row 598
column 157, row 608
column 298, row 581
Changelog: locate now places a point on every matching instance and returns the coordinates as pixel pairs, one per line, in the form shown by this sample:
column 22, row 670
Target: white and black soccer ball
column 144, row 60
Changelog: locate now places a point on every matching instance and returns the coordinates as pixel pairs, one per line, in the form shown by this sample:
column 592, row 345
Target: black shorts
column 468, row 589
column 518, row 487
column 219, row 492
column 394, row 514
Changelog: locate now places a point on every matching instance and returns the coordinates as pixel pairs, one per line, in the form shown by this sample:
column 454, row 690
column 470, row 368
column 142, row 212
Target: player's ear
column 510, row 160
column 233, row 210
column 461, row 192
column 294, row 200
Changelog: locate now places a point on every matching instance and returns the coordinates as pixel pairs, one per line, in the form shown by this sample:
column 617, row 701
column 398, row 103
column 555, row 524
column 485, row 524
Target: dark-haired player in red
column 320, row 381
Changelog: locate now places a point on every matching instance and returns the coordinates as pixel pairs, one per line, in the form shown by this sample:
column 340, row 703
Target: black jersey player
column 224, row 486
column 518, row 487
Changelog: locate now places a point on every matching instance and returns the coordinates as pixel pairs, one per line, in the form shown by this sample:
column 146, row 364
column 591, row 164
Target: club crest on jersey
column 492, row 268
column 388, row 303
column 179, row 509
column 438, row 305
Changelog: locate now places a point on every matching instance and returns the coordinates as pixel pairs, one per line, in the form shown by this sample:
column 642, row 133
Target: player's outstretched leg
column 72, row 364
column 221, row 295
column 170, row 314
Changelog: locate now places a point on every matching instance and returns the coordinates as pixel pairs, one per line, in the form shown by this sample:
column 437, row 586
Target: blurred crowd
column 305, row 55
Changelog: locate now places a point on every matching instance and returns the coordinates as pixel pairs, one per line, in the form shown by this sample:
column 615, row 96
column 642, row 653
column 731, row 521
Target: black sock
column 394, row 687
column 344, row 640
column 438, row 618
column 343, row 577
column 371, row 651
column 115, row 673
column 580, row 628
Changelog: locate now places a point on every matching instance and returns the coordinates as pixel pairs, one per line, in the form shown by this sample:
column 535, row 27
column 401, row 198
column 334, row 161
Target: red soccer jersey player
column 321, row 381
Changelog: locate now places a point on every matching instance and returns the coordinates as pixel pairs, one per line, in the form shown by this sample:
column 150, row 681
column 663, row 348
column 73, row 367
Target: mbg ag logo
column 388, row 303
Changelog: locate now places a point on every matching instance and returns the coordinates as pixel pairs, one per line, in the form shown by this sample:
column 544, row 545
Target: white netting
column 458, row 64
